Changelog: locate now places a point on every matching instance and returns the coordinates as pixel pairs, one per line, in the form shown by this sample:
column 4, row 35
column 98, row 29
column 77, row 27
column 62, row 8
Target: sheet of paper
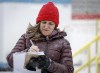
column 19, row 59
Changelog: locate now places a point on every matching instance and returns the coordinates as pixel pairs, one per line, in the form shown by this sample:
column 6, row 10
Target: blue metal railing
column 38, row 1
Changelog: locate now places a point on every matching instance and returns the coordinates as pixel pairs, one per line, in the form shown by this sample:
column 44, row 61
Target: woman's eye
column 44, row 22
column 51, row 24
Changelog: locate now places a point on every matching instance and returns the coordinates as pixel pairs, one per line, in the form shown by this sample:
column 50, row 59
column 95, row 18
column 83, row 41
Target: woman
column 46, row 37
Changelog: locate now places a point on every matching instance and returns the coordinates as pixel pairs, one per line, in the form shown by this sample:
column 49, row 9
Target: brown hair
column 33, row 32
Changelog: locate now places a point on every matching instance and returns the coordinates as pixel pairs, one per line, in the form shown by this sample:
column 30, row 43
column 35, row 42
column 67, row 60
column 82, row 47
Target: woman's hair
column 33, row 32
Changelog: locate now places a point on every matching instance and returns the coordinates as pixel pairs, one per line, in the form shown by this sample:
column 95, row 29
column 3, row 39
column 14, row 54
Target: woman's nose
column 46, row 26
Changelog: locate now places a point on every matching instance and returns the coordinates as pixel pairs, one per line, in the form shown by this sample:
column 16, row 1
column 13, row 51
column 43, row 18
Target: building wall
column 1, row 32
column 17, row 16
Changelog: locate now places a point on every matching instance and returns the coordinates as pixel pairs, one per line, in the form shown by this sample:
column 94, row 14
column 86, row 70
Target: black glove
column 43, row 62
column 32, row 64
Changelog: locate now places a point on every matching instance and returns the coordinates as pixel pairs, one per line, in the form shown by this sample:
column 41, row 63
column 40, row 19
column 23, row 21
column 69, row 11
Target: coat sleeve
column 20, row 46
column 66, row 61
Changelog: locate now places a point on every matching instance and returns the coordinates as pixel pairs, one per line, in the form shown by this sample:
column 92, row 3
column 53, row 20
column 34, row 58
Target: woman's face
column 46, row 27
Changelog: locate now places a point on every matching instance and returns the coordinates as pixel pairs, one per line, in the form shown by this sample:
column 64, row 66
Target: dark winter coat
column 56, row 47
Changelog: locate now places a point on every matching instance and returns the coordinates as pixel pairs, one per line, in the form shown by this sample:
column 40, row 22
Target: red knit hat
column 48, row 12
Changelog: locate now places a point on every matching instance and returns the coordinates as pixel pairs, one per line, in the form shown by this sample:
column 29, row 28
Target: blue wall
column 37, row 1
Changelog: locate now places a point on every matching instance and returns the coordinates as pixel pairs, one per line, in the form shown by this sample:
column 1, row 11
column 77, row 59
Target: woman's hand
column 32, row 52
column 33, row 49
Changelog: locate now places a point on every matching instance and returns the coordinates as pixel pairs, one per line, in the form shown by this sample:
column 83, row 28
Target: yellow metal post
column 97, row 64
column 96, row 35
column 89, row 57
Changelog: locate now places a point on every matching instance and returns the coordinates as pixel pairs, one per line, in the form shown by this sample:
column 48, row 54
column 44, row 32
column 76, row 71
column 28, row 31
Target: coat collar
column 55, row 35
